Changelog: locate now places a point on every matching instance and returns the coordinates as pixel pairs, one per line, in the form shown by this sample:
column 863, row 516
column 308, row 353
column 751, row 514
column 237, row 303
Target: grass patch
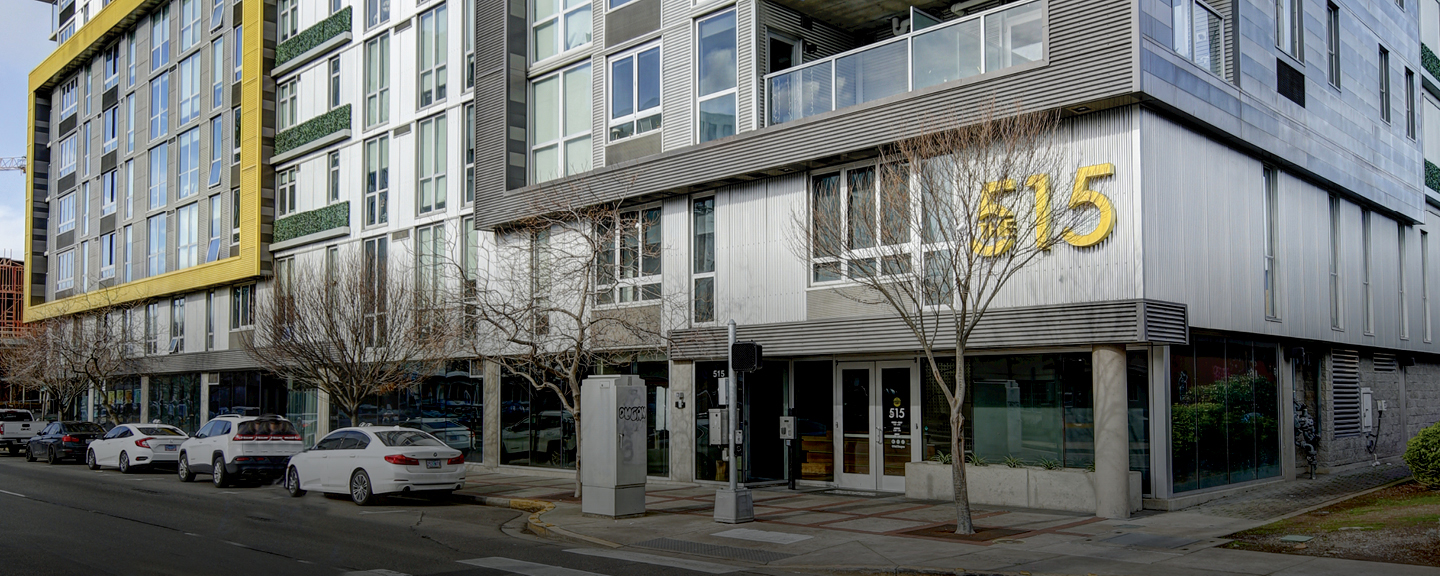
column 1397, row 524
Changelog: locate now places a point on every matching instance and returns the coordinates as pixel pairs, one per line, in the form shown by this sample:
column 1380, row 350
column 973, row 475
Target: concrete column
column 1112, row 438
column 490, row 458
column 144, row 398
column 682, row 422
column 204, row 415
column 322, row 414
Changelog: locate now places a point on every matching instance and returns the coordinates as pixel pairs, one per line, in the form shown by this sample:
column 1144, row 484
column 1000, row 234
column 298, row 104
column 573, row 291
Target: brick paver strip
column 1283, row 498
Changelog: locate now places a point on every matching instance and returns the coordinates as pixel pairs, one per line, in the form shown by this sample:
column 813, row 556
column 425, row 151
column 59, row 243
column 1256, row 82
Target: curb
column 536, row 526
column 899, row 571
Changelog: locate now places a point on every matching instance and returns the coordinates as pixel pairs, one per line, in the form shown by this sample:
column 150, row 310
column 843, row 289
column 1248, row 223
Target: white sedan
column 369, row 462
column 131, row 446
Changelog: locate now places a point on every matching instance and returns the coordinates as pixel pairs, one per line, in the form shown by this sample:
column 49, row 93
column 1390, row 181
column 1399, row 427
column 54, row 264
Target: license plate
column 432, row 463
column 170, row 448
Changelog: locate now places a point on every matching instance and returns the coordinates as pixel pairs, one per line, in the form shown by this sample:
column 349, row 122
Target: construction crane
column 16, row 163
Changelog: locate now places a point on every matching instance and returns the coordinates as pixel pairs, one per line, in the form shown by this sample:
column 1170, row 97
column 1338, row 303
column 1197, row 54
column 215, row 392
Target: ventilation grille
column 1290, row 82
column 1386, row 363
column 1345, row 391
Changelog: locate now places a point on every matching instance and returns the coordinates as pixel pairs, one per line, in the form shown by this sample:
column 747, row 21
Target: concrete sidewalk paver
column 1237, row 561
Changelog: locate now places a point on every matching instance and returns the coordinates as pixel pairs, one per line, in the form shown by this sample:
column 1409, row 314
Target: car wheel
column 125, row 464
column 217, row 473
column 183, row 469
column 29, row 454
column 360, row 490
column 292, row 483
column 90, row 460
column 50, row 457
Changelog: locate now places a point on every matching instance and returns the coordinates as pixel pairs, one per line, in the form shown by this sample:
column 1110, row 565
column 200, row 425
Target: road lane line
column 695, row 565
column 13, row 493
column 523, row 567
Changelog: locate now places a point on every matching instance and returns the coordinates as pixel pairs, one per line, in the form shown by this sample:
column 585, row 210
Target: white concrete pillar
column 203, row 414
column 682, row 421
column 1112, row 437
column 322, row 414
column 144, row 398
column 490, row 458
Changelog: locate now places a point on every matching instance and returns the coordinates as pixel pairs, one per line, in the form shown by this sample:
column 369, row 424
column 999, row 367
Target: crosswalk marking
column 523, row 567
column 695, row 565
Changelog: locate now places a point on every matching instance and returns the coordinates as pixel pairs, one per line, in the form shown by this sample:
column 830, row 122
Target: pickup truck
column 16, row 428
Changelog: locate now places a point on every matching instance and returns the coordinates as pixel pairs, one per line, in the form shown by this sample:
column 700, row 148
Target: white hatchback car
column 369, row 462
column 129, row 446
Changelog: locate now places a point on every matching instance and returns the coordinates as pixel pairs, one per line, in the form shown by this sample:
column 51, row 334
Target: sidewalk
column 837, row 531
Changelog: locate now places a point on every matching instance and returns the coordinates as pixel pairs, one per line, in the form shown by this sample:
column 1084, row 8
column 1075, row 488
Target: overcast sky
column 24, row 43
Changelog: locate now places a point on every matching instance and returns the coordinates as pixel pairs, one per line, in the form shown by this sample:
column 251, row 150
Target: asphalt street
column 67, row 519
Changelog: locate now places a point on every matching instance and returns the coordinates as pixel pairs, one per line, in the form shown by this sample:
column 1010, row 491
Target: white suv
column 233, row 447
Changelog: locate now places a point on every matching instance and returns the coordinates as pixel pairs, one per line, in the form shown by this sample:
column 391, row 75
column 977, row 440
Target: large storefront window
column 763, row 402
column 175, row 400
column 121, row 404
column 448, row 407
column 657, row 426
column 303, row 409
column 249, row 393
column 1224, row 413
column 535, row 428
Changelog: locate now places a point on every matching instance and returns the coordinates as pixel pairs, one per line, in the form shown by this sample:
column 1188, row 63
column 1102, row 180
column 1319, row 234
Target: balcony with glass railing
column 932, row 53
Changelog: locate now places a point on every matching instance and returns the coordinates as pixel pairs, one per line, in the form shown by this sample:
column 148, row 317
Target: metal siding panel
column 678, row 82
column 745, row 60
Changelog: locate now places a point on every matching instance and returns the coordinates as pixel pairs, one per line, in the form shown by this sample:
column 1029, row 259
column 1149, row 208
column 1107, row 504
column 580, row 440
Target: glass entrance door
column 875, row 416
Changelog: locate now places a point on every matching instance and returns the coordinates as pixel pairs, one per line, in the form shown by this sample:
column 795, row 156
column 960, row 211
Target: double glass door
column 876, row 415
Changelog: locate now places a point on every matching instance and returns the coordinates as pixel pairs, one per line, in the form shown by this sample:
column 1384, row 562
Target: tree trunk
column 963, row 522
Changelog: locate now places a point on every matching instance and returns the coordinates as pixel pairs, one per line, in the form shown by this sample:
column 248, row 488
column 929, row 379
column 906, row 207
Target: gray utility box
column 612, row 446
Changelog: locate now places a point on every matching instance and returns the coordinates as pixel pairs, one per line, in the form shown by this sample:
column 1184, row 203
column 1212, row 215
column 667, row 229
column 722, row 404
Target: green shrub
column 1422, row 454
column 1014, row 461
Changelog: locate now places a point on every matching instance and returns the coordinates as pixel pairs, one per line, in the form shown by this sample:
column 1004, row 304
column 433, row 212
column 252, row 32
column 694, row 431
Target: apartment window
column 702, row 213
column 210, row 320
column 1384, row 84
column 65, row 271
column 160, row 38
column 1409, row 104
column 84, row 257
column 129, row 123
column 1400, row 233
column 187, row 173
column 1336, row 312
column 217, row 56
column 189, row 23
column 235, row 138
column 239, row 50
column 217, row 147
column 853, row 250
column 431, row 60
column 108, row 182
column 430, row 262
column 177, row 325
column 242, row 307
column 235, row 216
column 152, row 328
column 109, row 129
column 1368, row 292
column 289, row 18
column 470, row 256
column 85, row 149
column 468, row 129
column 335, row 82
column 83, row 209
column 125, row 256
column 635, row 93
column 217, row 15
column 377, row 80
column 187, row 246
column 376, row 272
column 67, row 155
column 111, row 66
column 285, row 190
column 159, row 160
column 377, row 180
column 1289, row 27
column 89, row 74
column 718, row 79
column 559, row 26
column 217, row 227
column 468, row 40
column 130, row 59
column 129, row 188
column 66, row 213
column 285, row 104
column 1425, row 281
column 541, row 274
column 1332, row 43
column 560, row 124
column 629, row 268
column 332, row 271
column 107, row 256
column 66, row 32
column 377, row 12
column 333, row 161
column 69, row 97
column 155, row 245
column 431, row 159
column 159, row 105
column 1271, row 204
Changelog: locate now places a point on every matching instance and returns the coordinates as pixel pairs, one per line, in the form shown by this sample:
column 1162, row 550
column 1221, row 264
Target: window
column 129, row 188
column 217, row 64
column 217, row 147
column 285, row 104
column 242, row 307
column 67, row 155
column 377, row 80
column 239, row 50
column 1271, row 204
column 82, row 212
column 1384, row 84
column 1368, row 292
column 702, row 212
column 152, row 328
column 377, row 180
column 160, row 38
column 285, row 190
column 618, row 3
column 177, row 325
column 187, row 246
column 66, row 213
column 155, row 246
column 85, row 148
column 187, row 173
column 130, row 123
column 125, row 255
column 717, row 81
column 108, row 182
column 235, row 216
column 1425, row 281
column 84, row 257
column 159, row 105
column 88, row 73
column 849, row 246
column 630, row 263
column 377, row 12
column 289, row 18
column 333, row 161
column 431, row 159
column 1336, row 312
column 558, row 29
column 430, row 263
column 1409, row 104
column 431, row 59
column 159, row 195
column 1400, row 280
column 217, row 227
column 376, row 272
column 1290, row 27
column 235, row 138
column 335, row 6
column 635, row 93
column 1332, row 43
column 541, row 275
column 65, row 271
column 109, row 129
column 467, row 14
column 69, row 92
column 560, row 124
column 335, row 82
column 217, row 15
column 107, row 256
column 111, row 66
column 468, row 129
column 210, row 320
column 130, row 58
column 189, row 23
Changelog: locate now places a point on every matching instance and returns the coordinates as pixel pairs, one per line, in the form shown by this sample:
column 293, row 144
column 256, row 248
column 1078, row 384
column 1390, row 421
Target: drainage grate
column 714, row 551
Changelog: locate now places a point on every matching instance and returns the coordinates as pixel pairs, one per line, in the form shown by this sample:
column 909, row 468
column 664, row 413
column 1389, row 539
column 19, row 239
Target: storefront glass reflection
column 657, row 426
column 1224, row 413
column 248, row 393
column 175, row 400
column 448, row 407
column 535, row 428
column 121, row 403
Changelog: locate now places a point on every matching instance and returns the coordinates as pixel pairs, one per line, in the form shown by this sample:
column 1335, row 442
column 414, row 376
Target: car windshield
column 407, row 438
column 15, row 416
column 84, row 428
column 267, row 428
column 160, row 431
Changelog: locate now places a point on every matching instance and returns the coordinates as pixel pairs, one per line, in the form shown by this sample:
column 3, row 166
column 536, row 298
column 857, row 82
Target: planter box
column 1068, row 489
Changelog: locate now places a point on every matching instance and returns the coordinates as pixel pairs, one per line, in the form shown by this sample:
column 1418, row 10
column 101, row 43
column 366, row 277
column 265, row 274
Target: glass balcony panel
column 872, row 74
column 799, row 93
column 946, row 54
column 1014, row 36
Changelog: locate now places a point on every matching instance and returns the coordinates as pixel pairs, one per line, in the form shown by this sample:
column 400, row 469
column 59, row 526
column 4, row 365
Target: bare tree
column 77, row 352
column 37, row 363
column 355, row 328
column 940, row 226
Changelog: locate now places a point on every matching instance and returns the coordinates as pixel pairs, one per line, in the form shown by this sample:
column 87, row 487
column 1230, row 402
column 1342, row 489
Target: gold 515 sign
column 997, row 222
